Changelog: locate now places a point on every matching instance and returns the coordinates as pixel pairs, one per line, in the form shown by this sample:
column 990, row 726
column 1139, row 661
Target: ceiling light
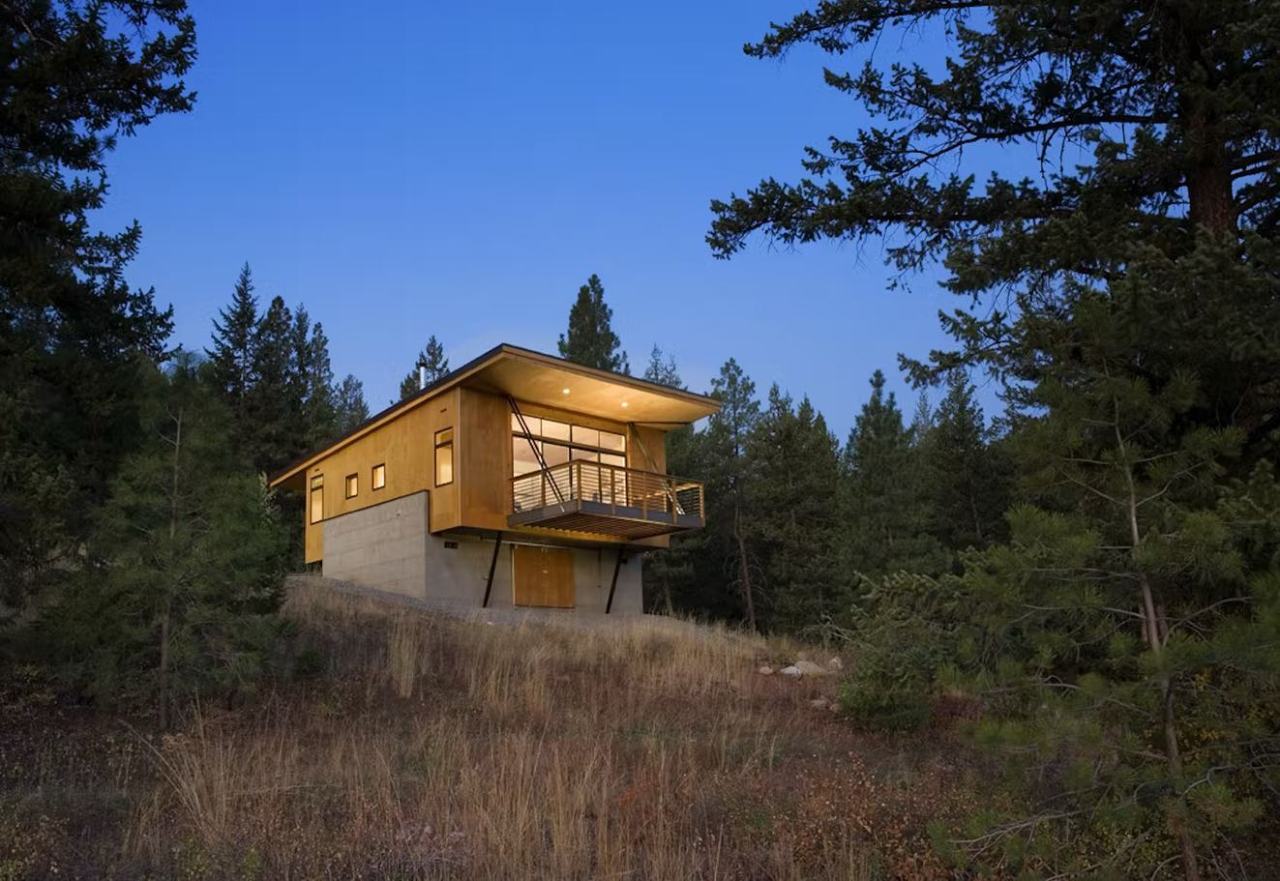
column 564, row 391
column 625, row 404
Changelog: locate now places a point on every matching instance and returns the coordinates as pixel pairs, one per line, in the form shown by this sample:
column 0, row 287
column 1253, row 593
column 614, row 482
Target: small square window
column 379, row 476
column 353, row 485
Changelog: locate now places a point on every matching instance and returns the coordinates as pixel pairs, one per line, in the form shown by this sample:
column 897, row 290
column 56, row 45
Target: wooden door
column 543, row 576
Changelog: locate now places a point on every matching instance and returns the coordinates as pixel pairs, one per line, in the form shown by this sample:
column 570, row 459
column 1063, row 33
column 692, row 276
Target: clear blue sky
column 409, row 168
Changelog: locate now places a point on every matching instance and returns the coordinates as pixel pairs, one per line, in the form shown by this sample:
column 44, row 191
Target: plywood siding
column 485, row 463
column 405, row 447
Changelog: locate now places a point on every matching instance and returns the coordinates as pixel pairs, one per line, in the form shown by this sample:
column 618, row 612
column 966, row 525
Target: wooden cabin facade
column 518, row 479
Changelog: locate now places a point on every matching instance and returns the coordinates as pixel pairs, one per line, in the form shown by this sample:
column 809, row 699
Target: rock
column 835, row 664
column 820, row 703
column 809, row 668
column 766, row 670
column 791, row 671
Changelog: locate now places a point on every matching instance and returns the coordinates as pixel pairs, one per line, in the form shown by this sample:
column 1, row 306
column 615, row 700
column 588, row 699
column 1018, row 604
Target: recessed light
column 625, row 404
column 564, row 391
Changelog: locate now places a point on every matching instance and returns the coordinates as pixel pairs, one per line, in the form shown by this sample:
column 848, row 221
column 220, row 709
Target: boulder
column 835, row 664
column 809, row 668
column 765, row 670
column 791, row 671
column 820, row 703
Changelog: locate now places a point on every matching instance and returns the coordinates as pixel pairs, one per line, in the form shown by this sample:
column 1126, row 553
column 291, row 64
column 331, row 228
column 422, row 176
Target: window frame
column 374, row 485
column 317, row 486
column 351, row 485
column 439, row 445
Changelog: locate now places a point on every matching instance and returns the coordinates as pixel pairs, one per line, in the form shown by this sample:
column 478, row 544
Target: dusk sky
column 405, row 169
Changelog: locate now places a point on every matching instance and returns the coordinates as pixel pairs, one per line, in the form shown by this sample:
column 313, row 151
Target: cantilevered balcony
column 585, row 496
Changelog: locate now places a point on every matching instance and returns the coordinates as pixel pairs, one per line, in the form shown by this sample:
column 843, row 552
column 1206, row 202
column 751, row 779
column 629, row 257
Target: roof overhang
column 534, row 378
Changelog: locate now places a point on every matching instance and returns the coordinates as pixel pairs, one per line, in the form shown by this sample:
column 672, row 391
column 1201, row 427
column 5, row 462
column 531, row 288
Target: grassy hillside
column 412, row 746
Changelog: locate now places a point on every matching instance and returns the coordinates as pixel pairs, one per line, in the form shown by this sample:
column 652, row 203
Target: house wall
column 387, row 547
column 485, row 468
column 406, row 447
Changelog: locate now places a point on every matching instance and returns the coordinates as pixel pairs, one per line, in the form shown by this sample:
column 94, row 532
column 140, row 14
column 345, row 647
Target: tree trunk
column 167, row 615
column 1154, row 632
column 744, row 570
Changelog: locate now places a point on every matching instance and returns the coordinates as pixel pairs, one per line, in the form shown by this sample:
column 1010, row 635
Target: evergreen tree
column 728, row 473
column 883, row 505
column 274, row 406
column 966, row 472
column 793, row 521
column 231, row 354
column 662, row 370
column 189, row 557
column 591, row 340
column 352, row 410
column 433, row 359
column 70, row 329
column 1152, row 129
column 312, row 392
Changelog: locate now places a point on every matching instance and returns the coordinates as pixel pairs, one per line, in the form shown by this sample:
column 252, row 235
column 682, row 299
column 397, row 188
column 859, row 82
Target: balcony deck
column 583, row 496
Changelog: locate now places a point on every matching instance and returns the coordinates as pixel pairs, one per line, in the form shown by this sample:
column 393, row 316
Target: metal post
column 613, row 585
column 493, row 564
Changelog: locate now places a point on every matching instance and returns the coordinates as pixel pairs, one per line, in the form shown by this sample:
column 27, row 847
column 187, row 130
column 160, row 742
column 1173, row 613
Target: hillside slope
column 412, row 745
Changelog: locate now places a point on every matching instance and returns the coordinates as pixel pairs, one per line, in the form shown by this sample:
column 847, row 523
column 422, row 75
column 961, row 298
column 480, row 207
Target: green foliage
column 794, row 525
column 74, row 80
column 185, row 563
column 883, row 499
column 591, row 340
column 437, row 367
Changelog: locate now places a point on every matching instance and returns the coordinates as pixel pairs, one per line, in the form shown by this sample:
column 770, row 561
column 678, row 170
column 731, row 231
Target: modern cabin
column 518, row 479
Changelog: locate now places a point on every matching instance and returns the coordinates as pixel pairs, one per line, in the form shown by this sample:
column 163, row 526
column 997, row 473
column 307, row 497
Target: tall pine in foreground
column 185, row 563
column 71, row 329
column 433, row 359
column 590, row 339
column 1119, row 291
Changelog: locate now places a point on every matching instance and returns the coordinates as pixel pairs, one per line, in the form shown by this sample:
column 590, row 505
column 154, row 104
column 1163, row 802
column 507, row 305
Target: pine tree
column 71, row 330
column 351, row 408
column 883, row 503
column 591, row 340
column 274, row 406
column 311, row 393
column 728, row 473
column 793, row 521
column 968, row 483
column 662, row 370
column 187, row 563
column 231, row 353
column 1151, row 129
column 437, row 367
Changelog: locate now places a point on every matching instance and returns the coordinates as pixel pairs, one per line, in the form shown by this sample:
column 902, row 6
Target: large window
column 559, row 442
column 444, row 456
column 317, row 498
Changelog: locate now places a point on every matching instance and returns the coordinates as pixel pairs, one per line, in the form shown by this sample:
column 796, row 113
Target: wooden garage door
column 543, row 576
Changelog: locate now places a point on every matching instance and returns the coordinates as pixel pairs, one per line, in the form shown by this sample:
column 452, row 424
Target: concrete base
column 387, row 547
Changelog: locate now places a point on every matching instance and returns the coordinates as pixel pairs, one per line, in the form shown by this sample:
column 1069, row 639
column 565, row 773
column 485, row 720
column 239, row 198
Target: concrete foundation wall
column 382, row 546
column 388, row 547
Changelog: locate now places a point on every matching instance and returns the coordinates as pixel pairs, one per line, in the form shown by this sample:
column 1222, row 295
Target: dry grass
column 434, row 748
